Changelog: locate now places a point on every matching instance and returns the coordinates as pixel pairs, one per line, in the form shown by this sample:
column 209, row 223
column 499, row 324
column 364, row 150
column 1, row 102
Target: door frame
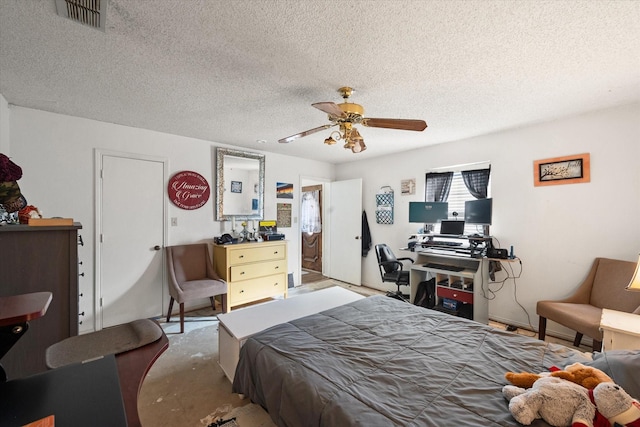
column 99, row 154
column 326, row 225
column 321, row 201
column 305, row 181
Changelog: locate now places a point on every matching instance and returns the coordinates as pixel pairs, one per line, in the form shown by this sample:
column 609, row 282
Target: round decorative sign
column 188, row 190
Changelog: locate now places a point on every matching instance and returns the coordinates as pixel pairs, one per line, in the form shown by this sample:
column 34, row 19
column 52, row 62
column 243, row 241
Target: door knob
column 156, row 248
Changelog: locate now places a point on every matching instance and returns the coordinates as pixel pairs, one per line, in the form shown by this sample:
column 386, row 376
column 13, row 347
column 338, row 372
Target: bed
column 383, row 362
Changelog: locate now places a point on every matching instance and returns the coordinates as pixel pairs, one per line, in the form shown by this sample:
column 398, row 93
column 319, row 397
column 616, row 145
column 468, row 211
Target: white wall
column 4, row 126
column 557, row 231
column 56, row 153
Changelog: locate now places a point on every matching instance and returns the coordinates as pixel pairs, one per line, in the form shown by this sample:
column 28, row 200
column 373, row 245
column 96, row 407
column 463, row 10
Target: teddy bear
column 615, row 405
column 578, row 373
column 563, row 403
column 559, row 402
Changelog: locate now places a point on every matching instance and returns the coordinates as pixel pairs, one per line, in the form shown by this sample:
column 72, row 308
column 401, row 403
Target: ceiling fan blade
column 403, row 124
column 305, row 133
column 330, row 108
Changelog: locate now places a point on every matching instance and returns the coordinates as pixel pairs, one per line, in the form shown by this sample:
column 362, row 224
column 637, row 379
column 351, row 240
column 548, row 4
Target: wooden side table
column 621, row 331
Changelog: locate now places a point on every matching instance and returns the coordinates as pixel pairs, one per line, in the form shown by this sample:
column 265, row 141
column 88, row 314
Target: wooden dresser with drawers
column 253, row 271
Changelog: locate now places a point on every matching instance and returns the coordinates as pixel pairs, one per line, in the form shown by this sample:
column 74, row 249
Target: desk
column 131, row 366
column 15, row 313
column 467, row 285
column 620, row 330
column 83, row 394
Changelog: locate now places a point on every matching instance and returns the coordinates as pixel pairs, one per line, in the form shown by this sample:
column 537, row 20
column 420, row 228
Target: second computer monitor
column 478, row 211
column 428, row 212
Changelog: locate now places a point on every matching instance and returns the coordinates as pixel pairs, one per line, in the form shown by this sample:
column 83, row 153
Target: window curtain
column 438, row 186
column 310, row 212
column 477, row 182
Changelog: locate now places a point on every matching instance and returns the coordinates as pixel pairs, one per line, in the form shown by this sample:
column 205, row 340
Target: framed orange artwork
column 573, row 169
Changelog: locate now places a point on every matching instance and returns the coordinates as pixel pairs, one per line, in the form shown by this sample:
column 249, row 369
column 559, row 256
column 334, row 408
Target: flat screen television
column 478, row 211
column 428, row 212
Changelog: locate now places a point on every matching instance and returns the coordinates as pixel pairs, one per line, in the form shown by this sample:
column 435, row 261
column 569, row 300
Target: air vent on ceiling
column 89, row 12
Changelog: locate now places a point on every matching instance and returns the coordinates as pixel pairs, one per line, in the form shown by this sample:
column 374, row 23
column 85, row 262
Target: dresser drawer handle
column 277, row 267
column 241, row 273
column 276, row 284
column 241, row 256
column 241, row 291
column 275, row 252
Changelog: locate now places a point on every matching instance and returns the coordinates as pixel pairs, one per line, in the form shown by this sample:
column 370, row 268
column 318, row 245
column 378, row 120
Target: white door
column 130, row 237
column 345, row 227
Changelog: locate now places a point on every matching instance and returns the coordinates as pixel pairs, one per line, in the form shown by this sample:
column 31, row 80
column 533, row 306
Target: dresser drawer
column 455, row 294
column 240, row 255
column 255, row 289
column 259, row 269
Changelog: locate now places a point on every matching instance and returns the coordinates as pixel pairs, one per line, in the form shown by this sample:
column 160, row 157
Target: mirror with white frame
column 239, row 185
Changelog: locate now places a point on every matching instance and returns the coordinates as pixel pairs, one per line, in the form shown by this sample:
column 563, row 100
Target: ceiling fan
column 346, row 115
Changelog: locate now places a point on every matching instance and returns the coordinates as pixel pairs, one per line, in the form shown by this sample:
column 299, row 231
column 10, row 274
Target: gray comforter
column 382, row 362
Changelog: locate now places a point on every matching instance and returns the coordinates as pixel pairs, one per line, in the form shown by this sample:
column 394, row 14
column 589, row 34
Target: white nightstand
column 621, row 330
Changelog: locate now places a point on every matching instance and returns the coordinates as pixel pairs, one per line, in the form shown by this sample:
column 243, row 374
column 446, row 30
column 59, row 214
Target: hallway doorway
column 310, row 276
column 311, row 230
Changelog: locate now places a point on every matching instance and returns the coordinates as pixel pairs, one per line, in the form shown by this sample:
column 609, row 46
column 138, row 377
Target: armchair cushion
column 583, row 318
column 604, row 287
column 611, row 277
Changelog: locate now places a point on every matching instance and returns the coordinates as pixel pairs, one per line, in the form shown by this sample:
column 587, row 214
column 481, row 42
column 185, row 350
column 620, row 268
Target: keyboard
column 436, row 244
column 443, row 266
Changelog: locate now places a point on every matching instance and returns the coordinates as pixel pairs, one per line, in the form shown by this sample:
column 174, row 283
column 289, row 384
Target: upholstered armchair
column 604, row 287
column 192, row 276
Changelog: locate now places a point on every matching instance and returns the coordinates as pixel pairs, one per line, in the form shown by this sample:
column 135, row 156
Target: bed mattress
column 383, row 362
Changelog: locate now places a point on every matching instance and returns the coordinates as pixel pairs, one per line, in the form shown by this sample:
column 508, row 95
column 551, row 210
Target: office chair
column 392, row 269
column 191, row 276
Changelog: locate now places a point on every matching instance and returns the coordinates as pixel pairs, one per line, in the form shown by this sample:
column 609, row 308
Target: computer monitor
column 454, row 228
column 478, row 211
column 428, row 212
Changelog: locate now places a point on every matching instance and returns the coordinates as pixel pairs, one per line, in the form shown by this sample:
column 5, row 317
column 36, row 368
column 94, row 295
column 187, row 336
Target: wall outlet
column 174, row 221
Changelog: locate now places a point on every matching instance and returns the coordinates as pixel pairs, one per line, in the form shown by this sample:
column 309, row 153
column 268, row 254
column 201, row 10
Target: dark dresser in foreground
column 38, row 259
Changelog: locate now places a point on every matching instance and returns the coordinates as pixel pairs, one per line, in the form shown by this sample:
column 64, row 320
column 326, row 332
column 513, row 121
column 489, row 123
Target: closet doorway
column 311, row 233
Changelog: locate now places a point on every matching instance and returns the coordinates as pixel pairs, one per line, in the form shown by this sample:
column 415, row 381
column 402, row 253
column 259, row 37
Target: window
column 458, row 194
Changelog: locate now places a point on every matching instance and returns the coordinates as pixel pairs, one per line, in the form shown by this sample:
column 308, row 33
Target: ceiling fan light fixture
column 359, row 147
column 357, row 141
column 346, row 115
column 331, row 140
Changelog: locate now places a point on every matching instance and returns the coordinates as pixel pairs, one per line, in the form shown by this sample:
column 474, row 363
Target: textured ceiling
column 238, row 71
